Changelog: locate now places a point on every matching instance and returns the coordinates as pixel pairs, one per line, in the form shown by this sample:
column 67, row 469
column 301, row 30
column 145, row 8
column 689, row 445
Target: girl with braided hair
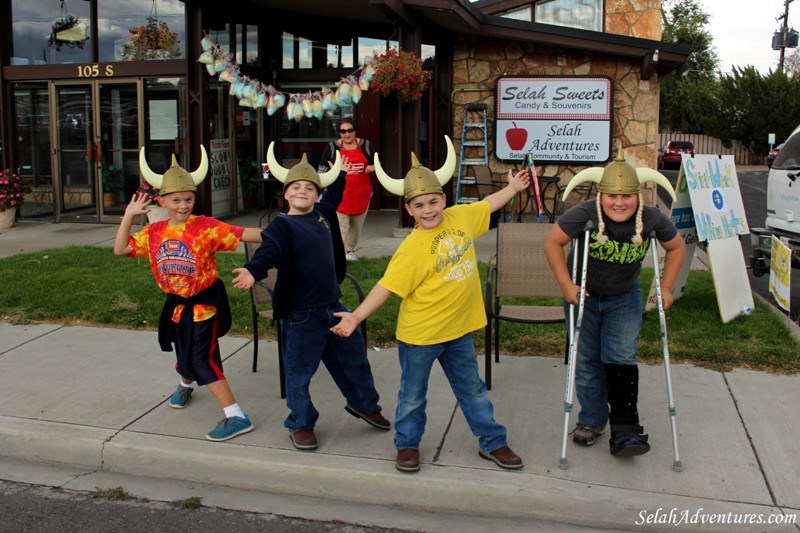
column 607, row 376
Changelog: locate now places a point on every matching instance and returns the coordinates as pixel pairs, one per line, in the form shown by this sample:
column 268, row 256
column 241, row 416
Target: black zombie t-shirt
column 614, row 266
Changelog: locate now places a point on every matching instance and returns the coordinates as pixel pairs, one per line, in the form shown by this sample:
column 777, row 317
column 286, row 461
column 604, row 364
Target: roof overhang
column 465, row 17
column 462, row 16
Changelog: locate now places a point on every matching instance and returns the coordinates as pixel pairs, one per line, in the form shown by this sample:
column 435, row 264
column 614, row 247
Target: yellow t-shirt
column 435, row 272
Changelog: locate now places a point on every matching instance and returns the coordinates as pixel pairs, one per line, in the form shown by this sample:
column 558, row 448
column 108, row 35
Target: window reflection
column 583, row 14
column 34, row 23
column 116, row 17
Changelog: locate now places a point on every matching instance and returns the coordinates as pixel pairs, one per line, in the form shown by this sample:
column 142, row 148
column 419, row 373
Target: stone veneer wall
column 477, row 63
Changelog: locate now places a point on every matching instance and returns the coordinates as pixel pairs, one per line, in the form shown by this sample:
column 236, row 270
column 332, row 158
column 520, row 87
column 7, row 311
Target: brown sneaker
column 586, row 435
column 408, row 460
column 304, row 439
column 504, row 457
column 375, row 419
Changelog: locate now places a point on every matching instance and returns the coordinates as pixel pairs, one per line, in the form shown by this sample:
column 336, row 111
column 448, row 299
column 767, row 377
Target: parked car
column 783, row 207
column 772, row 153
column 669, row 156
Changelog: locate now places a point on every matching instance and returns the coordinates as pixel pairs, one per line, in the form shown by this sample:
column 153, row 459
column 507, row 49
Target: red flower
column 399, row 72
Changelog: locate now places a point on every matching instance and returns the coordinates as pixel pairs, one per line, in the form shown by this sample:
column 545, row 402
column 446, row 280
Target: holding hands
column 347, row 325
column 244, row 279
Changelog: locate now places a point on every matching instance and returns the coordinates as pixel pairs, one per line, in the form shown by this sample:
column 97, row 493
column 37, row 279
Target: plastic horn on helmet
column 325, row 178
column 156, row 180
column 595, row 174
column 443, row 174
column 646, row 175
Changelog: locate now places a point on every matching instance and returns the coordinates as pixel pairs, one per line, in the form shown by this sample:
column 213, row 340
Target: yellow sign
column 780, row 272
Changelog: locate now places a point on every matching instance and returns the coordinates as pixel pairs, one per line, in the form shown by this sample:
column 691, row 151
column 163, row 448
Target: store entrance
column 95, row 148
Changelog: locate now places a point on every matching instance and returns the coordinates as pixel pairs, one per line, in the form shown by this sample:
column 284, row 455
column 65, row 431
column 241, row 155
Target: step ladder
column 474, row 151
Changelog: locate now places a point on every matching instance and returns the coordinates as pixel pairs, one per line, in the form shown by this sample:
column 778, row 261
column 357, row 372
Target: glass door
column 96, row 147
column 74, row 153
column 117, row 146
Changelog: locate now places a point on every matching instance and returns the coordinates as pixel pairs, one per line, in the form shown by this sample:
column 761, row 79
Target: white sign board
column 719, row 218
column 554, row 118
column 219, row 172
column 683, row 218
column 731, row 284
column 716, row 197
column 163, row 120
column 780, row 273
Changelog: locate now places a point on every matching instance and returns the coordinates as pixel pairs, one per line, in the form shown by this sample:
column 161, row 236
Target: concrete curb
column 440, row 488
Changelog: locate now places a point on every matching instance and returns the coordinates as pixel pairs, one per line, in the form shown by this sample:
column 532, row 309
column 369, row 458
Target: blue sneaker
column 180, row 398
column 230, row 427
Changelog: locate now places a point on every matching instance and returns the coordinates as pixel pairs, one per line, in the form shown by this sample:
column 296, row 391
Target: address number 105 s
column 93, row 71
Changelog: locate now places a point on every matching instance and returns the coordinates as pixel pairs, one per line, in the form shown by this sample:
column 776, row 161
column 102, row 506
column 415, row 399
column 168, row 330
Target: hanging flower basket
column 68, row 30
column 399, row 72
column 154, row 40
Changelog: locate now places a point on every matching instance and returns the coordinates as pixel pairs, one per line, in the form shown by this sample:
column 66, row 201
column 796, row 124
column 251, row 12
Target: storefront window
column 32, row 146
column 340, row 56
column 164, row 122
column 53, row 32
column 523, row 13
column 46, row 32
column 582, row 14
column 247, row 45
column 115, row 19
column 369, row 48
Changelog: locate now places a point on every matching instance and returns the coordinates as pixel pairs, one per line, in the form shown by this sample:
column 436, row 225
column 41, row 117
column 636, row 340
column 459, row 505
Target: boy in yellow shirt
column 435, row 272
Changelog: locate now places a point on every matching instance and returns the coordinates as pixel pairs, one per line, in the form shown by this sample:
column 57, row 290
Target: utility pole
column 784, row 40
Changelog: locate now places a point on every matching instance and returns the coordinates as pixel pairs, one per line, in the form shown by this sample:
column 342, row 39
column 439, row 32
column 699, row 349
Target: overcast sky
column 743, row 29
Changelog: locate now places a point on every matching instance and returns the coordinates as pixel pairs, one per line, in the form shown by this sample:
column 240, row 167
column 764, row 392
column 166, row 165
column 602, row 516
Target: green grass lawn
column 90, row 286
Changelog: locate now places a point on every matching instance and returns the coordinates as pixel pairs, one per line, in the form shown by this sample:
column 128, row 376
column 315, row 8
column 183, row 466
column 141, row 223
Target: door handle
column 89, row 157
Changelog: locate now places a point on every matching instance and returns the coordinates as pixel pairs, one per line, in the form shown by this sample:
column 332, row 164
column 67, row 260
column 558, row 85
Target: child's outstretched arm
column 251, row 235
column 244, row 279
column 138, row 206
column 516, row 184
column 350, row 321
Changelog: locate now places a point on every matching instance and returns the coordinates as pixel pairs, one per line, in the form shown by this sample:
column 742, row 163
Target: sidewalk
column 96, row 399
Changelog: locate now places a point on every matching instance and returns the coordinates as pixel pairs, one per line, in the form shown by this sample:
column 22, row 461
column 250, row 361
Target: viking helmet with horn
column 419, row 180
column 619, row 177
column 175, row 179
column 302, row 171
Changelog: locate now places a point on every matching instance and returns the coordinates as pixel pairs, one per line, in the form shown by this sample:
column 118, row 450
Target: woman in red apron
column 353, row 210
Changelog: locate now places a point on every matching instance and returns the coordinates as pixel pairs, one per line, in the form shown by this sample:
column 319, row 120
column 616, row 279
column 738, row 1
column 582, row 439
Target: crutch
column 574, row 335
column 676, row 465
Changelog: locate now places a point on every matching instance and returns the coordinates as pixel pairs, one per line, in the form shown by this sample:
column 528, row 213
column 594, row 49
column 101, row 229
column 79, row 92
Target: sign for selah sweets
column 555, row 118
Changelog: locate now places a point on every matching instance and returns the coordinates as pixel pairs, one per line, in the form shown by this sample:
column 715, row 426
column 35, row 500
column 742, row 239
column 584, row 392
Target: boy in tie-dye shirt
column 182, row 254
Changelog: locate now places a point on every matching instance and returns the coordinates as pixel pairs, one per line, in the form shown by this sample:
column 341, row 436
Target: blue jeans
column 307, row 340
column 609, row 333
column 457, row 358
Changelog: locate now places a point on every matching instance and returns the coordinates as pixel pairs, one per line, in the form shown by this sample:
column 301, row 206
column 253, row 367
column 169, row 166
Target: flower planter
column 7, row 218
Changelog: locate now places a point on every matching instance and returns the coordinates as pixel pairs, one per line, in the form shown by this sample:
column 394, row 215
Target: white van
column 783, row 206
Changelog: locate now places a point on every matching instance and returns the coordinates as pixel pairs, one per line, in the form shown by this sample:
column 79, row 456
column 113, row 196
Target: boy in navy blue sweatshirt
column 305, row 245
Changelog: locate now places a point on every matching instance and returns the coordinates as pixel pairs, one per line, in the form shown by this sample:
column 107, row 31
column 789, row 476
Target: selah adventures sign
column 556, row 118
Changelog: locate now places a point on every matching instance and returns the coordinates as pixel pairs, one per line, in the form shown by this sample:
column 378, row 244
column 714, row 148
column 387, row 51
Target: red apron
column 358, row 190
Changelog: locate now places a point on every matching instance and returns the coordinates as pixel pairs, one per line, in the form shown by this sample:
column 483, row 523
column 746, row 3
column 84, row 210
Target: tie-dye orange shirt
column 183, row 258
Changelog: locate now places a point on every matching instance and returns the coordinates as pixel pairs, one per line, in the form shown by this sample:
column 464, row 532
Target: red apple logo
column 516, row 137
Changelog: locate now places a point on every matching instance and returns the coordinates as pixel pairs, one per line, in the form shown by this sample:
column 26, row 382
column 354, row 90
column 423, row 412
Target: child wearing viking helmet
column 607, row 376
column 435, row 272
column 305, row 245
column 182, row 254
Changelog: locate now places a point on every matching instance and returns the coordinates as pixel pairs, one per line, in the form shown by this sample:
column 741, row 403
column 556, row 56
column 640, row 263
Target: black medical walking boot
column 627, row 437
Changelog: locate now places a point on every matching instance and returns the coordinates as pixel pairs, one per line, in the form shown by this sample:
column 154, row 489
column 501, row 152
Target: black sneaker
column 628, row 441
